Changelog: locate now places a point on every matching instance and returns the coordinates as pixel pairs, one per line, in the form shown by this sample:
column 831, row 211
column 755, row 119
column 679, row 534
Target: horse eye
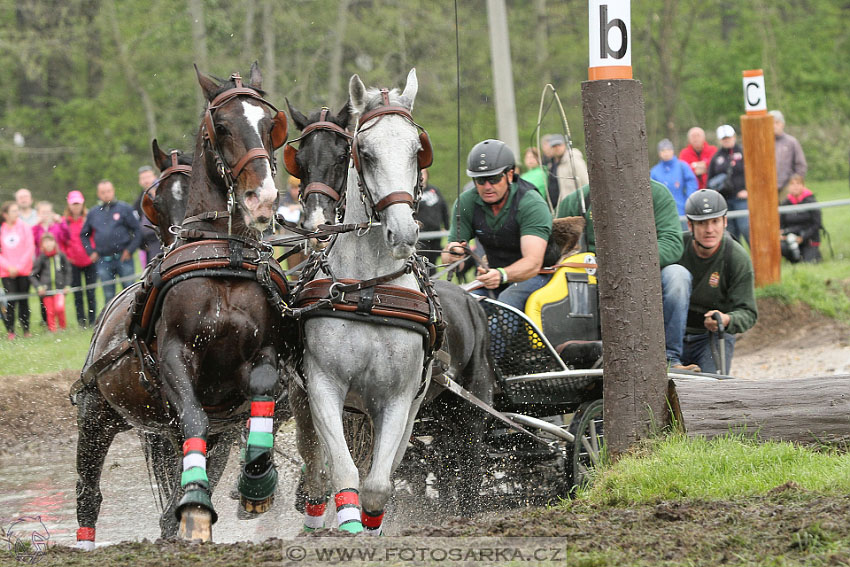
column 220, row 130
column 342, row 158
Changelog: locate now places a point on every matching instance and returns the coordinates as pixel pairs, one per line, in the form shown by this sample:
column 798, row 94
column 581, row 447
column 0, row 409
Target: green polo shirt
column 668, row 229
column 533, row 215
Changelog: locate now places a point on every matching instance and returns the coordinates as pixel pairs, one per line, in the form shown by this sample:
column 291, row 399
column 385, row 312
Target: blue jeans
column 697, row 350
column 675, row 299
column 108, row 269
column 516, row 294
column 739, row 227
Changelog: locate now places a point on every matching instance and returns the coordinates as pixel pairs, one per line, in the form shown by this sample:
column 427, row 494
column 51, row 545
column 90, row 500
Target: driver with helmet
column 722, row 280
column 508, row 218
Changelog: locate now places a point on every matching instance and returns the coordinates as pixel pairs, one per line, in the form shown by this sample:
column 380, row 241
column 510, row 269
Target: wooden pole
column 762, row 196
column 503, row 76
column 635, row 383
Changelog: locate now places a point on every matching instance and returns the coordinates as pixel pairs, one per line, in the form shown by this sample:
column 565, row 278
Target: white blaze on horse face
column 177, row 191
column 265, row 195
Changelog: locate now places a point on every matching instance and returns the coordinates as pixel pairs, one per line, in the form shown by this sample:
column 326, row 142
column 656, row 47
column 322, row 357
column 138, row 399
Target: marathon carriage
column 546, row 419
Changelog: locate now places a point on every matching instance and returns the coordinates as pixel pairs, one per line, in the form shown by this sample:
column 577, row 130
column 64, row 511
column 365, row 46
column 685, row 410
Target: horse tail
column 159, row 456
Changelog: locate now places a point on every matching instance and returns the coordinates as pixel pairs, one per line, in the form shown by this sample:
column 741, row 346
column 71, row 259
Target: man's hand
column 699, row 167
column 94, row 256
column 491, row 278
column 742, row 194
column 125, row 256
column 455, row 250
column 711, row 324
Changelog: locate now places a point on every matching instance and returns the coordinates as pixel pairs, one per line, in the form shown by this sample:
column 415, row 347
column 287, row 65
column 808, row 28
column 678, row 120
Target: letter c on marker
column 749, row 100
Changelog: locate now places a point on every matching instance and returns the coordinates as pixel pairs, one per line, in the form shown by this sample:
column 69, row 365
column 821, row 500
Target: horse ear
column 410, row 89
column 160, row 158
column 208, row 85
column 341, row 118
column 299, row 119
column 256, row 76
column 357, row 94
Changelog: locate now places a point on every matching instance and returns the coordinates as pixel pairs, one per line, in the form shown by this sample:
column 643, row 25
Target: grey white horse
column 373, row 368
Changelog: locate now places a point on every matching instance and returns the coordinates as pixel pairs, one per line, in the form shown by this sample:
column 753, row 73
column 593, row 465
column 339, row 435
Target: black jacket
column 805, row 224
column 721, row 162
column 56, row 278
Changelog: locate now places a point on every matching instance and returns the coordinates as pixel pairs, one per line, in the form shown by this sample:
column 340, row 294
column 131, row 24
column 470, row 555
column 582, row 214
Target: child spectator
column 800, row 230
column 17, row 251
column 47, row 221
column 81, row 264
column 51, row 274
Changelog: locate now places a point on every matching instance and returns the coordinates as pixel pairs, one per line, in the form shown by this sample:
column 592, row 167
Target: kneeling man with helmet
column 723, row 281
column 510, row 220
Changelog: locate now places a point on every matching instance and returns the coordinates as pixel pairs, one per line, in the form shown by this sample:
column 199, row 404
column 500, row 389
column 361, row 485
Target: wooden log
column 803, row 410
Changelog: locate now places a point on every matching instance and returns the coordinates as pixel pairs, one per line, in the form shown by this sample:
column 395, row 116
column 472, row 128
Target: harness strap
column 394, row 198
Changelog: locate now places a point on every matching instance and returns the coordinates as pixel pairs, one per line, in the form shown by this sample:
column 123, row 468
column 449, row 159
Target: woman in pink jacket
column 17, row 250
column 81, row 265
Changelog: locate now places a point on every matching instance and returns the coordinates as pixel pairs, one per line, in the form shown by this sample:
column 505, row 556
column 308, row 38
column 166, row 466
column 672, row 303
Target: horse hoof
column 256, row 507
column 196, row 523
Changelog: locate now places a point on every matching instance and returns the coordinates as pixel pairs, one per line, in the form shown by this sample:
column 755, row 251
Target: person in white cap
column 726, row 176
column 790, row 159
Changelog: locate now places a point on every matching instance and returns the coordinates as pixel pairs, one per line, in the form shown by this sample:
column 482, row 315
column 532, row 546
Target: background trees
column 88, row 83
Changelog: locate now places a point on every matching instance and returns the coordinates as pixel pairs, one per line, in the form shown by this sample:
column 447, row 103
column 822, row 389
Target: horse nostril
column 250, row 195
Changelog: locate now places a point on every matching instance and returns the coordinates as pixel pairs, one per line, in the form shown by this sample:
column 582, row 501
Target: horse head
column 320, row 162
column 241, row 131
column 164, row 202
column 389, row 149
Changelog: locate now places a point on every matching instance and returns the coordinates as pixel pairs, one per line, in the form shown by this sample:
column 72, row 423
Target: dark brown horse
column 206, row 325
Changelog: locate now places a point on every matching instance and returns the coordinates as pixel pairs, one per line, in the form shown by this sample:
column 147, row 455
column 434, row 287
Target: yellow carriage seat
column 567, row 308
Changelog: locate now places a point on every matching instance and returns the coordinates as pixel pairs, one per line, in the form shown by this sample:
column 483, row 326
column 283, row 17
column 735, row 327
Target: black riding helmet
column 705, row 204
column 489, row 157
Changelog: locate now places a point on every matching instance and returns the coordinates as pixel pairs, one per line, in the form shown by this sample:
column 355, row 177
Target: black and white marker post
column 635, row 379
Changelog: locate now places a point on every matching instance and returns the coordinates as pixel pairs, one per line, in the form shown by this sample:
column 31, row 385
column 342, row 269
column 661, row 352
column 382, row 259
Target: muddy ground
column 788, row 527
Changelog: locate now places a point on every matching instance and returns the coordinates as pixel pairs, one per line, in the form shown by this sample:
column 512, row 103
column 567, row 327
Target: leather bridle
column 150, row 193
column 424, row 157
column 290, row 154
column 279, row 129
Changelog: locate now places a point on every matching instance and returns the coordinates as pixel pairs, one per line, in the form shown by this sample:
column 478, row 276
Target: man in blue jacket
column 110, row 235
column 674, row 174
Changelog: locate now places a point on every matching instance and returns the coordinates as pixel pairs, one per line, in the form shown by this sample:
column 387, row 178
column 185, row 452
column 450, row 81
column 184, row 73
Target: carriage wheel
column 588, row 449
column 359, row 436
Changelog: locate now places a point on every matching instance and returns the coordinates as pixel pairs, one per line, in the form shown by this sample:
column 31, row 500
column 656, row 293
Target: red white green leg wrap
column 372, row 522
column 260, row 427
column 194, row 462
column 314, row 514
column 194, row 480
column 85, row 539
column 259, row 477
column 348, row 510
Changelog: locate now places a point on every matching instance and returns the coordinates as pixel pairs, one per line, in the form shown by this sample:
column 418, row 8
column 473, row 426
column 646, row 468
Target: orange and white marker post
column 610, row 40
column 760, row 173
column 635, row 382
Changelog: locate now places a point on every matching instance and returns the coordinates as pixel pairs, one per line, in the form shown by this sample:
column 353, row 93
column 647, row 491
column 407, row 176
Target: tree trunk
column 803, row 410
column 542, row 41
column 334, row 84
column 269, row 67
column 129, row 71
column 199, row 42
column 248, row 31
column 635, row 383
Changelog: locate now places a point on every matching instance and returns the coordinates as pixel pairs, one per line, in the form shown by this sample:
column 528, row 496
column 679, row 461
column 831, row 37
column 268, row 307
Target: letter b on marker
column 609, row 35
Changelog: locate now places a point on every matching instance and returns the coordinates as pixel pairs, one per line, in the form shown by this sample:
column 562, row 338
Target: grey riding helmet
column 705, row 204
column 489, row 157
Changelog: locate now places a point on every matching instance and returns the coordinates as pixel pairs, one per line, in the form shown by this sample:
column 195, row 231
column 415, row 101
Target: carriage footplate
column 195, row 511
column 258, row 480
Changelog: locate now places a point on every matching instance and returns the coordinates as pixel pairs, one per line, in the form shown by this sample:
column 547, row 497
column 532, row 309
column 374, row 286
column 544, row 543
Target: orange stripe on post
column 753, row 72
column 262, row 409
column 609, row 72
column 195, row 444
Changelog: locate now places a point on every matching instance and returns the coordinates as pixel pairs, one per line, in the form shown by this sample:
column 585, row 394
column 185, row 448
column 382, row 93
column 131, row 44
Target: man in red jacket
column 698, row 154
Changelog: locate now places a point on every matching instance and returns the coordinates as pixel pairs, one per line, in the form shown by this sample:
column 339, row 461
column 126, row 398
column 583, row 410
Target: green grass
column 825, row 286
column 725, row 468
